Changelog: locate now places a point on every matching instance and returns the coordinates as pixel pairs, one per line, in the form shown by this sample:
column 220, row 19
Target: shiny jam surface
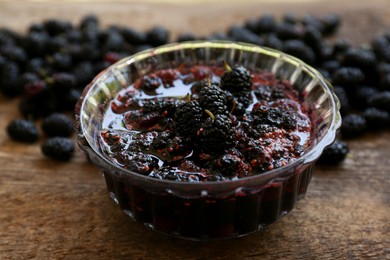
column 257, row 129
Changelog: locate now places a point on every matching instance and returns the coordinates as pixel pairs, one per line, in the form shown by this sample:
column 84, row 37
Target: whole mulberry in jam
column 193, row 124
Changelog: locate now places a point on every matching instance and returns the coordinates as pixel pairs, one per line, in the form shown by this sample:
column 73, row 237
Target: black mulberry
column 334, row 154
column 57, row 124
column 236, row 79
column 23, row 131
column 216, row 134
column 59, row 148
column 353, row 125
column 188, row 118
column 213, row 98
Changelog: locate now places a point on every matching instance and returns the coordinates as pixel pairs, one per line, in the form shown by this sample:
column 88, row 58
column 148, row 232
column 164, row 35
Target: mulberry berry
column 348, row 76
column 330, row 24
column 380, row 100
column 362, row 95
column 334, row 154
column 140, row 162
column 353, row 125
column 359, row 57
column 164, row 107
column 59, row 148
column 300, row 50
column 381, row 45
column 265, row 24
column 242, row 34
column 57, row 124
column 9, row 78
column 23, row 131
column 157, row 36
column 376, row 118
column 343, row 98
column 216, row 134
column 133, row 37
column 340, row 47
column 288, row 31
column 188, row 118
column 213, row 98
column 236, row 79
column 150, row 83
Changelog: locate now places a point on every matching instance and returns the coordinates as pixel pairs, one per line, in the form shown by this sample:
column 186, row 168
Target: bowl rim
column 308, row 157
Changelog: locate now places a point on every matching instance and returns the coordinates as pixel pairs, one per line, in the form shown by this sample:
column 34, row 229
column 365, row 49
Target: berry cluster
column 57, row 127
column 50, row 64
column 199, row 137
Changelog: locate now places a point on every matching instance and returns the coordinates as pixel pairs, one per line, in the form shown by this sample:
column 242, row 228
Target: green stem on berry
column 227, row 67
column 208, row 81
column 233, row 107
column 188, row 97
column 210, row 114
column 49, row 80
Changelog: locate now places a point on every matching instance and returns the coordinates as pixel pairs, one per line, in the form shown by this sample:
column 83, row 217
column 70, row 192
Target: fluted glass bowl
column 208, row 210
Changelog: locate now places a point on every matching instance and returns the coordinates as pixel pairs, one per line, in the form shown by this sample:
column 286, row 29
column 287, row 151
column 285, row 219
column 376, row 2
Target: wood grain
column 51, row 210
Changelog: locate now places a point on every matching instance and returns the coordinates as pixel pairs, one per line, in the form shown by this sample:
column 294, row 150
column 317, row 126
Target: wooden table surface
column 51, row 210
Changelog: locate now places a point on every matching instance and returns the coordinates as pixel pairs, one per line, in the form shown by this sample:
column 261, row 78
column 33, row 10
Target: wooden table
column 51, row 210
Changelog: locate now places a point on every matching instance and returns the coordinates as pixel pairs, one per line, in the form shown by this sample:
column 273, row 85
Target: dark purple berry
column 273, row 41
column 14, row 54
column 132, row 36
column 300, row 50
column 35, row 44
column 362, row 94
column 38, row 100
column 150, row 83
column 63, row 81
column 376, row 118
column 23, row 131
column 56, row 27
column 348, row 77
column 264, row 24
column 353, row 125
column 157, row 36
column 310, row 20
column 188, row 118
column 57, row 124
column 381, row 47
column 330, row 24
column 313, row 38
column 60, row 61
column 359, row 57
column 242, row 34
column 343, row 98
column 331, row 65
column 380, row 100
column 9, row 79
column 89, row 21
column 216, row 134
column 58, row 148
column 70, row 99
column 213, row 98
column 334, row 153
column 340, row 47
column 55, row 44
column 287, row 31
column 84, row 73
column 236, row 79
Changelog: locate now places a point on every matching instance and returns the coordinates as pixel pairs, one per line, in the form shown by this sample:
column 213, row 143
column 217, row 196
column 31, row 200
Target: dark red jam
column 202, row 123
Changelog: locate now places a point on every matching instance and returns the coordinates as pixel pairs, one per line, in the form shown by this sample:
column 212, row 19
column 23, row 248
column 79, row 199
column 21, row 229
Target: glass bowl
column 208, row 210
